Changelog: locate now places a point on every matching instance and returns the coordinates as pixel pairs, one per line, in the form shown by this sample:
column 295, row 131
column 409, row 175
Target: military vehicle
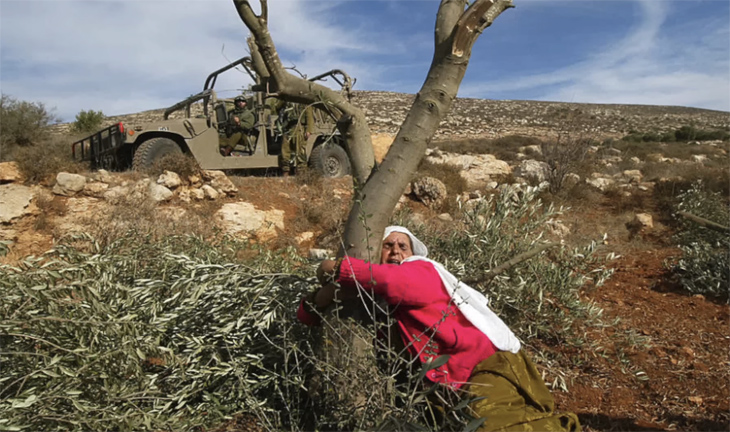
column 130, row 145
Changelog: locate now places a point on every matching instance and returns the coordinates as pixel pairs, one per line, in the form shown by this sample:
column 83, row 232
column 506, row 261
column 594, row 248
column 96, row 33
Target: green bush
column 171, row 333
column 88, row 121
column 685, row 133
column 703, row 268
column 22, row 123
column 682, row 134
column 537, row 299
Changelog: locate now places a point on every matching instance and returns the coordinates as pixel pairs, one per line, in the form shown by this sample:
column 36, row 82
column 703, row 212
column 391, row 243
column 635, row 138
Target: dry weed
column 182, row 164
column 451, row 178
column 41, row 162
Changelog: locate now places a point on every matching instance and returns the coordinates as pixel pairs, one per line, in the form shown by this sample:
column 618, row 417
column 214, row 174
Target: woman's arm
column 414, row 282
column 322, row 298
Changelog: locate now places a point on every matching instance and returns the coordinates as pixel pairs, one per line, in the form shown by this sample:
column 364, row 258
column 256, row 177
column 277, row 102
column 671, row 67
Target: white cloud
column 127, row 56
column 131, row 55
column 647, row 66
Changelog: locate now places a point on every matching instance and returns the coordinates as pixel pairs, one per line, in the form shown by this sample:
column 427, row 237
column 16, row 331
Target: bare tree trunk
column 455, row 33
column 378, row 188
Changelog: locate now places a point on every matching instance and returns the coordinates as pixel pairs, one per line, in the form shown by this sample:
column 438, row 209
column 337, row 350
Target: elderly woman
column 437, row 316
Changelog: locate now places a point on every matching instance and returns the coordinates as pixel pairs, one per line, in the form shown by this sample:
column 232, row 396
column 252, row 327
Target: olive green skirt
column 515, row 398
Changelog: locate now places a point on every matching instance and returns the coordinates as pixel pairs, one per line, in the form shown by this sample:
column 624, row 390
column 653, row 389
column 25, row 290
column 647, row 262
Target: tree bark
column 377, row 189
column 455, row 33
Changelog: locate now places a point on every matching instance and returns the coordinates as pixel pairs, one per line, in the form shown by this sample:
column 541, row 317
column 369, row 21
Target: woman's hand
column 325, row 271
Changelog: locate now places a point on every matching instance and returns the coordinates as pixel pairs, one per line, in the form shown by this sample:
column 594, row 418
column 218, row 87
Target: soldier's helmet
column 239, row 99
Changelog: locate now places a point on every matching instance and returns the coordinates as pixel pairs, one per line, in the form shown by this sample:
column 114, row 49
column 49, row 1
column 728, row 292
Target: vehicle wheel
column 330, row 160
column 153, row 150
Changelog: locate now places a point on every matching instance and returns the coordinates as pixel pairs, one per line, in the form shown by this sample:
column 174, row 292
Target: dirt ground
column 664, row 365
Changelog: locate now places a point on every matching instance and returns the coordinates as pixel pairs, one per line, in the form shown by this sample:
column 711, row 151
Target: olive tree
column 378, row 187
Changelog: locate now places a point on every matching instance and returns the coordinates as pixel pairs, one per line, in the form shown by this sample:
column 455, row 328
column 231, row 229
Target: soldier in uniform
column 241, row 121
column 297, row 124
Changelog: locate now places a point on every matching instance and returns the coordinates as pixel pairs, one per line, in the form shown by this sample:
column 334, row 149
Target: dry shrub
column 41, row 162
column 318, row 212
column 451, row 178
column 504, row 148
column 48, row 205
column 563, row 156
column 182, row 164
column 137, row 213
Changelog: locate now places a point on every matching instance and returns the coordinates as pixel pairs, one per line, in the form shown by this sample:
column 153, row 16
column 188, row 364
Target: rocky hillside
column 471, row 118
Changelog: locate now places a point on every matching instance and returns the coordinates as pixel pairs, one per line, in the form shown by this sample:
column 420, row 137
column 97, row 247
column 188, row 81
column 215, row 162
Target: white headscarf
column 471, row 303
column 416, row 245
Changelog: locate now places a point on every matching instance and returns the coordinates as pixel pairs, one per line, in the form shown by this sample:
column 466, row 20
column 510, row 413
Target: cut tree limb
column 704, row 222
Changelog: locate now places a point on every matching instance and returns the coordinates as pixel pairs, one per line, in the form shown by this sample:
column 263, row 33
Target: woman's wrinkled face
column 396, row 248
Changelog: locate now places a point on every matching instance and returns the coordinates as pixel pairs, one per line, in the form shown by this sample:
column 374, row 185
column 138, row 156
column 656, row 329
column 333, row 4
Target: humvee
column 130, row 145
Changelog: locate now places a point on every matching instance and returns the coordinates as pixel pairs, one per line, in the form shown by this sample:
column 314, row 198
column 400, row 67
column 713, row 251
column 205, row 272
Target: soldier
column 240, row 123
column 297, row 124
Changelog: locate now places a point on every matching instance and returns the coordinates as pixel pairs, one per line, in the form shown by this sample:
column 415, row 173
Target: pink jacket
column 429, row 324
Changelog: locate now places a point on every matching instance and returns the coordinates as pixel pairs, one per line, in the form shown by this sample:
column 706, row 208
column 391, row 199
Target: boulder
column 68, row 184
column 103, row 176
column 532, row 170
column 141, row 189
column 475, row 169
column 209, row 192
column 531, row 149
column 304, row 237
column 220, row 182
column 644, row 219
column 170, row 180
column 632, row 176
column 701, row 159
column 158, row 193
column 445, row 217
column 10, row 173
column 641, row 223
column 570, row 180
column 557, row 228
column 430, row 191
column 195, row 180
column 244, row 218
column 14, row 201
column 320, row 254
column 600, row 183
column 116, row 193
column 95, row 189
column 655, row 157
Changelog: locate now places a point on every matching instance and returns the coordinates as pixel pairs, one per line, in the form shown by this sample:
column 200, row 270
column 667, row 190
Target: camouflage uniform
column 238, row 133
column 296, row 122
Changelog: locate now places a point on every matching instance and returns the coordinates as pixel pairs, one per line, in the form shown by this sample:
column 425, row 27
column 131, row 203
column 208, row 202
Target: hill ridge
column 479, row 118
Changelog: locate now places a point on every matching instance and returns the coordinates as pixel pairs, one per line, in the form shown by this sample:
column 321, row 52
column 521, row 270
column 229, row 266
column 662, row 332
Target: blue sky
column 132, row 55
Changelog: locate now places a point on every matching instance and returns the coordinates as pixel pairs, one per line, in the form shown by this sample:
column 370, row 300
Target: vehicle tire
column 153, row 150
column 330, row 160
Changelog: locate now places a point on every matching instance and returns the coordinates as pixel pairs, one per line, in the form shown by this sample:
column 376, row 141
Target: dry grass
column 179, row 163
column 41, row 162
column 505, row 148
column 451, row 178
column 48, row 206
column 138, row 213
